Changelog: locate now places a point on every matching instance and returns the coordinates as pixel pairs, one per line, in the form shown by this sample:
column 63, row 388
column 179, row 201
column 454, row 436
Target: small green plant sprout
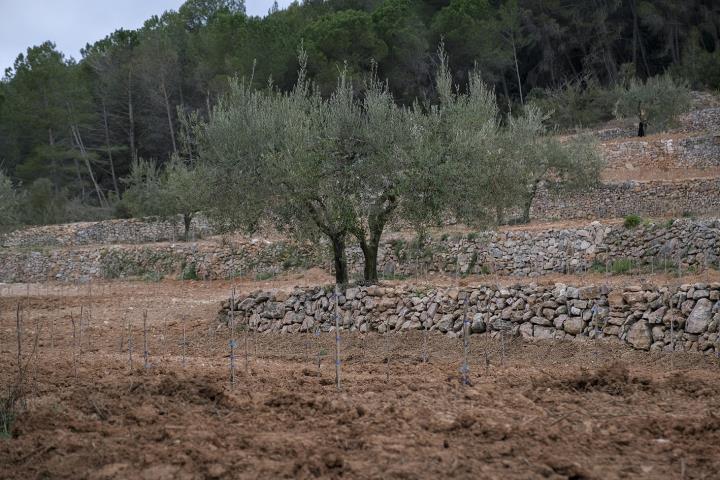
column 623, row 265
column 632, row 221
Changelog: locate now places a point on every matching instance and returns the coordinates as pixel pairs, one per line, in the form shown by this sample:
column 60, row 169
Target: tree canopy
column 346, row 164
column 81, row 124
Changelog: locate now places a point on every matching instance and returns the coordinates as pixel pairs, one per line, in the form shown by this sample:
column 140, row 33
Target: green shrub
column 189, row 272
column 153, row 277
column 10, row 200
column 624, row 265
column 472, row 236
column 398, row 246
column 7, row 417
column 632, row 221
column 597, row 267
column 43, row 205
column 260, row 276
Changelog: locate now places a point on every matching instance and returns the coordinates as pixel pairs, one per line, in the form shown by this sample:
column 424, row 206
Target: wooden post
column 247, row 352
column 231, row 323
column 465, row 369
column 387, row 350
column 130, row 344
column 145, row 342
column 337, row 339
column 184, row 342
column 74, row 349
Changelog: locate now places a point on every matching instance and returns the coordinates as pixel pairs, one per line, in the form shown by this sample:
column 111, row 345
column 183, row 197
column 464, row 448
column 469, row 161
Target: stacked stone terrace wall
column 701, row 120
column 684, row 152
column 689, row 243
column 640, row 316
column 693, row 243
column 659, row 198
column 698, row 120
column 132, row 230
column 192, row 260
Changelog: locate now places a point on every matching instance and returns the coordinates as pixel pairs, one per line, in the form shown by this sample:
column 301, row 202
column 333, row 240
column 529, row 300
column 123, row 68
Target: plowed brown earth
column 542, row 410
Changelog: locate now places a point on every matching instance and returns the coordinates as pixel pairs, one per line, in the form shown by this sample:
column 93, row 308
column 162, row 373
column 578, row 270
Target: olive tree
column 572, row 164
column 348, row 164
column 283, row 158
column 341, row 165
column 163, row 192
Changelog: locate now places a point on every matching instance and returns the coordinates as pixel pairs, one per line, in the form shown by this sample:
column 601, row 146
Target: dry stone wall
column 698, row 197
column 701, row 120
column 142, row 230
column 646, row 317
column 207, row 260
column 686, row 152
column 688, row 243
column 698, row 120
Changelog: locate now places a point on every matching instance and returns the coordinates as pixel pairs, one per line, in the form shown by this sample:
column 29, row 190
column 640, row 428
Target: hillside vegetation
column 71, row 129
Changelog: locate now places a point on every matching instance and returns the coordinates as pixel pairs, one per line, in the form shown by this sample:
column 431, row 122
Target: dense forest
column 71, row 129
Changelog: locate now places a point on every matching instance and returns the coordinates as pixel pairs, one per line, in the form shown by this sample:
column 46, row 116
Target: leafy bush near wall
column 152, row 277
column 189, row 272
column 399, row 249
column 118, row 263
column 115, row 265
column 632, row 221
column 624, row 265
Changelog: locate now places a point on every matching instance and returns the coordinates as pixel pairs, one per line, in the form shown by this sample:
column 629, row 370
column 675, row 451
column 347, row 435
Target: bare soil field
column 556, row 410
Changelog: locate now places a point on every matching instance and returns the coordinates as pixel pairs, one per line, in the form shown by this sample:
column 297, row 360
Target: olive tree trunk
column 187, row 220
column 370, row 241
column 339, row 259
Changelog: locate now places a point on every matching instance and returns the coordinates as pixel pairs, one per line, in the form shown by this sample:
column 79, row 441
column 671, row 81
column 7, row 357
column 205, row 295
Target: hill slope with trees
column 70, row 130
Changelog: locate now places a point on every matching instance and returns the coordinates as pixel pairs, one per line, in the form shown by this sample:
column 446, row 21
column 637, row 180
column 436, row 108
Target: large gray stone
column 543, row 332
column 478, row 324
column 544, row 321
column 574, row 325
column 699, row 318
column 445, row 323
column 640, row 335
column 526, row 330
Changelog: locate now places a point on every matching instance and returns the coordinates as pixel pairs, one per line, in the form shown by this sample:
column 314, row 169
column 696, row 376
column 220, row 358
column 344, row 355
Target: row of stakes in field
column 84, row 321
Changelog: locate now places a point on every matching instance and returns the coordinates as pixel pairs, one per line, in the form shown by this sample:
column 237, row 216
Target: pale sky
column 73, row 23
